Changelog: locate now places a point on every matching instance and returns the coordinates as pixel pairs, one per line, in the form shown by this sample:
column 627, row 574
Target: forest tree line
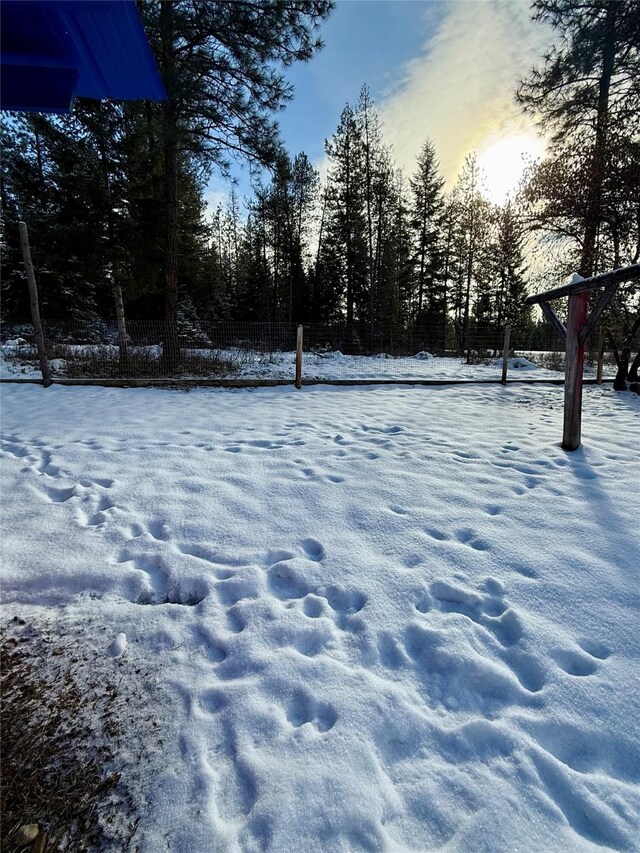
column 114, row 194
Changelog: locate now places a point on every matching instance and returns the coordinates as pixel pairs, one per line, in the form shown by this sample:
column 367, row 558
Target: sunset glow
column 503, row 162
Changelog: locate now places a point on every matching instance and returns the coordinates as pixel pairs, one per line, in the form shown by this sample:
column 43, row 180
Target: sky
column 442, row 69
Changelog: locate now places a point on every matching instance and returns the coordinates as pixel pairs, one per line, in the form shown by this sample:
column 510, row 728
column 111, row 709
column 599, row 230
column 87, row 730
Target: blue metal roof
column 54, row 50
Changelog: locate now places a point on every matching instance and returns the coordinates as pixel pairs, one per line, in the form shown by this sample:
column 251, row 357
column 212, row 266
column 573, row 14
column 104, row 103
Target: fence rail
column 247, row 353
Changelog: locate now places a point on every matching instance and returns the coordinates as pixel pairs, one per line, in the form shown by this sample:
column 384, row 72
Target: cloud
column 460, row 91
column 214, row 197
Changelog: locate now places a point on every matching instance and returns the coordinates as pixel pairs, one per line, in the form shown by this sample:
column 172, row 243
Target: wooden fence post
column 600, row 358
column 35, row 308
column 299, row 357
column 505, row 354
column 576, row 320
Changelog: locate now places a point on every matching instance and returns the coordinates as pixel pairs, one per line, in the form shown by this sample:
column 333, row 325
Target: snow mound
column 119, row 646
column 520, row 363
column 423, row 355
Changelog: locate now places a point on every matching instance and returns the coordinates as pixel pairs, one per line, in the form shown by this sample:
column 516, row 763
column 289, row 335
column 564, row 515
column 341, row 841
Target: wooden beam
column 616, row 277
column 576, row 320
column 554, row 320
column 605, row 298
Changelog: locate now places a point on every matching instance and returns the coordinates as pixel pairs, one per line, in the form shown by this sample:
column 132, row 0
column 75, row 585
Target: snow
column 119, row 645
column 332, row 365
column 575, row 278
column 393, row 618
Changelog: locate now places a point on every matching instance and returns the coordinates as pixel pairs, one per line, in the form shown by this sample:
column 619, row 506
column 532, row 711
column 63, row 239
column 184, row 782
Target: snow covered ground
column 374, row 619
column 248, row 364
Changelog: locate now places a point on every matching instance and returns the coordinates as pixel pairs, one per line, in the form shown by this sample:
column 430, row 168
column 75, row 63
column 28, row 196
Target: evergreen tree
column 345, row 216
column 429, row 308
column 221, row 65
column 587, row 94
column 472, row 212
column 500, row 281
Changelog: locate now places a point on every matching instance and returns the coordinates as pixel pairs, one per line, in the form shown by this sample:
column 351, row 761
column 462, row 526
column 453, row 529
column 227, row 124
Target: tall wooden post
column 576, row 321
column 299, row 357
column 35, row 308
column 505, row 354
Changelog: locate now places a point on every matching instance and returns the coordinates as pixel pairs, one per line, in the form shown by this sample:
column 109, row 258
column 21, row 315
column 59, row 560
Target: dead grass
column 62, row 720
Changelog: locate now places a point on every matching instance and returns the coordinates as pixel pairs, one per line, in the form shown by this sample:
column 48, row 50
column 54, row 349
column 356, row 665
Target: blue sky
column 366, row 41
column 445, row 69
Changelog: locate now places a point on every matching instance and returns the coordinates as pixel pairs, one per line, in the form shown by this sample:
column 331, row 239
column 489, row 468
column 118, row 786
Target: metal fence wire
column 258, row 352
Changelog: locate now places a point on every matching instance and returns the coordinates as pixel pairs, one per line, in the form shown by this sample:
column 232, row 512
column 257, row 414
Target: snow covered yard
column 374, row 618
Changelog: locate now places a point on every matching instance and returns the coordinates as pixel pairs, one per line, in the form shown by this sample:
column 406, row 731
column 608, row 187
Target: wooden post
column 122, row 327
column 505, row 354
column 299, row 358
column 35, row 308
column 600, row 358
column 576, row 320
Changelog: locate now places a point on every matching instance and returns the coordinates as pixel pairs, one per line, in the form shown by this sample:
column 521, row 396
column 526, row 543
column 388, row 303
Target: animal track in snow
column 212, row 700
column 285, row 583
column 236, row 619
column 233, row 590
column 589, row 815
column 398, row 510
column 460, row 682
column 466, row 536
column 434, row 533
column 303, row 709
column 390, row 651
column 56, row 495
column 207, row 555
column 575, row 662
column 159, row 586
column 99, row 516
column 595, row 649
column 313, row 549
column 313, row 606
column 212, row 647
column 489, row 611
column 343, row 601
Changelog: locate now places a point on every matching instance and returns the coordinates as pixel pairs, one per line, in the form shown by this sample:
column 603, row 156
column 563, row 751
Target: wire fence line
column 266, row 352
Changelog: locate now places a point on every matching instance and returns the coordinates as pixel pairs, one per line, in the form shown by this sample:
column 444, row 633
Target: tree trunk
column 115, row 283
column 171, row 348
column 598, row 164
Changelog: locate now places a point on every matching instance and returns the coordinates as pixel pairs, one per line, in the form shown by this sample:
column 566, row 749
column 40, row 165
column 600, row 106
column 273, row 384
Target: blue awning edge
column 55, row 50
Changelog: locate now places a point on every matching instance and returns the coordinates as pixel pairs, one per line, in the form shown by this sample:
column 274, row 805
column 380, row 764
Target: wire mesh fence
column 258, row 352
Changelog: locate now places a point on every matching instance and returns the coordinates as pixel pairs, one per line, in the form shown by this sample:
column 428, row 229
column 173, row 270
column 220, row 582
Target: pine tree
column 221, row 65
column 429, row 308
column 472, row 212
column 345, row 217
column 587, row 94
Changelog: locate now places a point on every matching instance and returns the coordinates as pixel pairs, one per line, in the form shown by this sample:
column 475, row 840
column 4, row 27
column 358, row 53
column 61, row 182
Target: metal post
column 505, row 354
column 35, row 308
column 299, row 357
column 576, row 320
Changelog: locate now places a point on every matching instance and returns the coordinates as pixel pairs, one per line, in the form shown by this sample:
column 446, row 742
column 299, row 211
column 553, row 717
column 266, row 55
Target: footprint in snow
column 595, row 649
column 313, row 549
column 489, row 611
column 303, row 709
column 575, row 662
column 466, row 536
